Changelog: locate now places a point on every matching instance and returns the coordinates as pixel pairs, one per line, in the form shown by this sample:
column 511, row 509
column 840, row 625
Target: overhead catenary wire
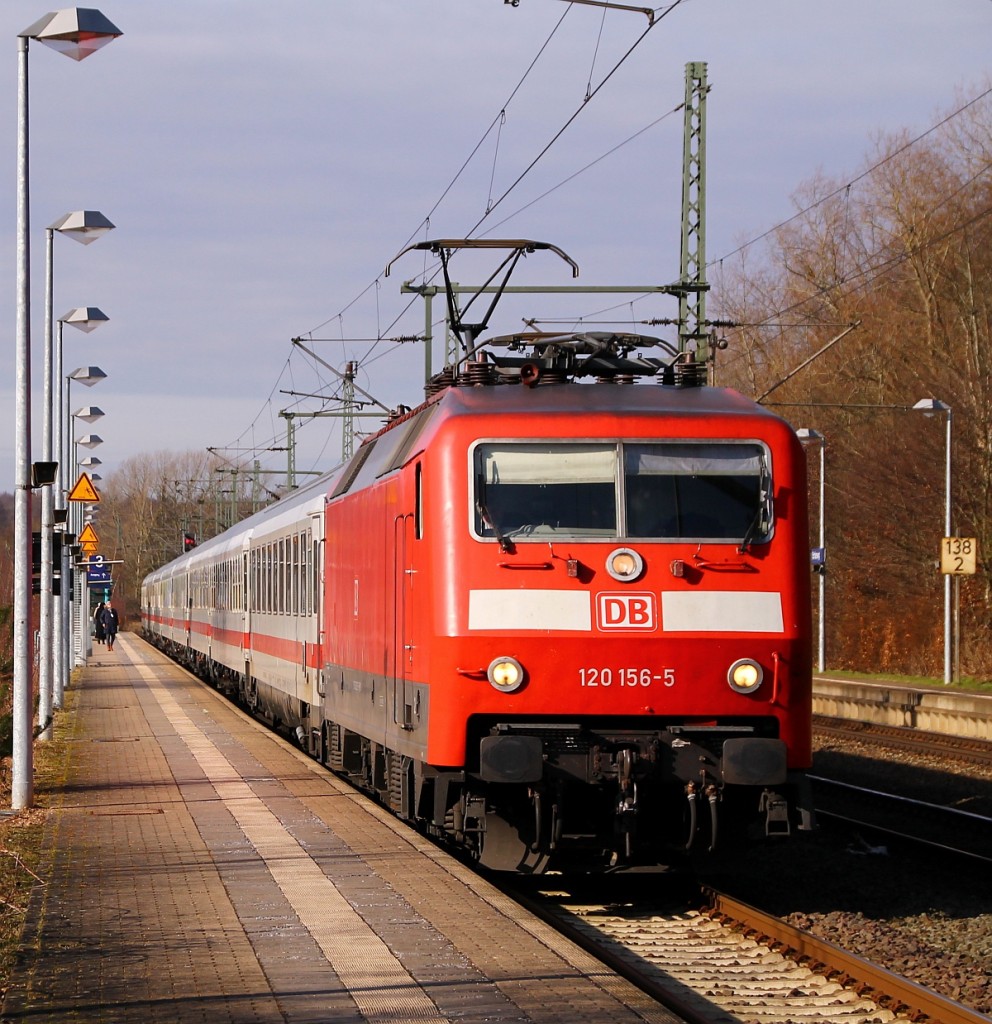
column 375, row 354
column 853, row 181
column 590, row 94
column 875, row 271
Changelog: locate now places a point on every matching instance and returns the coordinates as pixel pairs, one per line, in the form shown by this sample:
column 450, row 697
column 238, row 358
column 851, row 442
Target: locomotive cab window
column 707, row 491
column 651, row 490
column 535, row 490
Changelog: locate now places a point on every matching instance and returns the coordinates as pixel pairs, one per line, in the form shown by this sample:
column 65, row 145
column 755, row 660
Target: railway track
column 950, row 830
column 722, row 960
column 964, row 750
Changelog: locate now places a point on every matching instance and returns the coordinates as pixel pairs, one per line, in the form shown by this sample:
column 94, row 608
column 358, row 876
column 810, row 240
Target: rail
column 886, row 988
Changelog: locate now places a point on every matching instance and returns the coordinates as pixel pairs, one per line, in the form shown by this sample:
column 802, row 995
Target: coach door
column 246, row 599
column 305, row 605
column 187, row 608
column 314, row 589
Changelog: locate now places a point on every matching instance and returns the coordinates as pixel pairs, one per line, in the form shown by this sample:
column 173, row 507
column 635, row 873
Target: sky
column 263, row 163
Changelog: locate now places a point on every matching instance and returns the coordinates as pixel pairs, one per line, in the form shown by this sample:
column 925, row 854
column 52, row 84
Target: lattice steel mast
column 694, row 335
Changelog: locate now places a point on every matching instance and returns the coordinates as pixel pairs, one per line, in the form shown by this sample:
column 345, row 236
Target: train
column 557, row 615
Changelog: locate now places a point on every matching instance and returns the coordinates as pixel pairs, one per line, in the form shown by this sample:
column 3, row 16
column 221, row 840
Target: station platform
column 202, row 869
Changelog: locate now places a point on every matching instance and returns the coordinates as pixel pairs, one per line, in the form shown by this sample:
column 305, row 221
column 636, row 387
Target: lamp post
column 930, row 406
column 76, row 32
column 85, row 226
column 87, row 465
column 63, row 632
column 810, row 436
column 89, row 376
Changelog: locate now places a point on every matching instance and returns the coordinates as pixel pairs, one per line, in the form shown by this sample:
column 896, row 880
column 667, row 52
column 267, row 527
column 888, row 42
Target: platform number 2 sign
column 958, row 556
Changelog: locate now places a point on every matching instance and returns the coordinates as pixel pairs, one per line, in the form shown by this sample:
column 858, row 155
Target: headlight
column 745, row 675
column 505, row 674
column 624, row 564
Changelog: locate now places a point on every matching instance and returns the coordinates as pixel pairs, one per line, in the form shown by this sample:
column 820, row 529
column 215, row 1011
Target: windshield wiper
column 762, row 515
column 487, row 519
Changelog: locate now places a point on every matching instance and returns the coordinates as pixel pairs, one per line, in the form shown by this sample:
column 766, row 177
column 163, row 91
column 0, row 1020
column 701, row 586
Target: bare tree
column 905, row 250
column 153, row 502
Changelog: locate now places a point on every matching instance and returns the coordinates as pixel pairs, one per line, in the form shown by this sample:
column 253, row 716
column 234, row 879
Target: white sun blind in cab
column 548, row 463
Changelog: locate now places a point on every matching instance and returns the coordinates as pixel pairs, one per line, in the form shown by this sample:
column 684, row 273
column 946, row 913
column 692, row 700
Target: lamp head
column 75, row 31
column 932, row 405
column 83, row 226
column 84, row 318
column 88, row 375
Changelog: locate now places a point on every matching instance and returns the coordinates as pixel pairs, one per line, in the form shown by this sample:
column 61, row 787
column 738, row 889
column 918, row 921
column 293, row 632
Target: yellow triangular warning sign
column 90, row 547
column 88, row 535
column 83, row 490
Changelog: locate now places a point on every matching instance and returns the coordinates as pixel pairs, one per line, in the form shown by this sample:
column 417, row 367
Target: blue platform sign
column 97, row 571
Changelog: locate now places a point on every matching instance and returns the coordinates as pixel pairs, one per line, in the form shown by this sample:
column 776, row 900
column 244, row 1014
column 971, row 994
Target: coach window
column 285, row 555
column 274, row 578
column 288, row 577
column 278, row 576
column 531, row 491
column 273, row 575
column 296, row 575
column 304, row 574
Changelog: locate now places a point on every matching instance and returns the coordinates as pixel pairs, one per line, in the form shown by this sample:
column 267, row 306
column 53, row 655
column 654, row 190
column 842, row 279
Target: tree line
column 903, row 251
column 156, row 506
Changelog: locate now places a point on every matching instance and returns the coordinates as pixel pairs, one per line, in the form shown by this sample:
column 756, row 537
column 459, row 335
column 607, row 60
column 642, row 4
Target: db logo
column 626, row 611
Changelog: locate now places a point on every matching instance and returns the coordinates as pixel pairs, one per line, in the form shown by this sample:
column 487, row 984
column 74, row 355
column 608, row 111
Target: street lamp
column 88, row 376
column 76, row 32
column 810, row 436
column 52, row 683
column 85, row 226
column 929, row 406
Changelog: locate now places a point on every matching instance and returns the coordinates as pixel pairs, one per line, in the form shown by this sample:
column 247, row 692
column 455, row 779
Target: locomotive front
column 619, row 621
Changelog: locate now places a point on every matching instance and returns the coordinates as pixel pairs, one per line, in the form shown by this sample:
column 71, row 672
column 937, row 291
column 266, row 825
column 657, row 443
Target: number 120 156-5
column 626, row 677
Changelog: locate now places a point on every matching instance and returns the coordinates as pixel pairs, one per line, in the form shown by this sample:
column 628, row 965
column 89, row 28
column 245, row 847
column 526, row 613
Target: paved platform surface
column 202, row 870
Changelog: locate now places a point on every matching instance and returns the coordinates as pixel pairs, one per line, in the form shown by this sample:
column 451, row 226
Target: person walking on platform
column 98, row 634
column 110, row 621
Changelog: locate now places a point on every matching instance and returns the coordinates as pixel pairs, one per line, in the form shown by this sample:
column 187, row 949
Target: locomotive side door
column 402, row 646
column 404, row 533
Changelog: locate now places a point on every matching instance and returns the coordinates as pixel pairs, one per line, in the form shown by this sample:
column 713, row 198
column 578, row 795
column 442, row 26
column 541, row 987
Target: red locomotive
column 560, row 623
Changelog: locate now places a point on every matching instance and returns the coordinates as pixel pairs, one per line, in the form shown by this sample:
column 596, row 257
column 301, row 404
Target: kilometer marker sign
column 959, row 556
